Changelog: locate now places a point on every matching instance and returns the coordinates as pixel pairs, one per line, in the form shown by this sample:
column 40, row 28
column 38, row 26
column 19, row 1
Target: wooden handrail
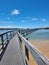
column 38, row 56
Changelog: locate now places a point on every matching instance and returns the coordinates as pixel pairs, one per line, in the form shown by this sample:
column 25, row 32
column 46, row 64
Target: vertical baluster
column 26, row 52
column 2, row 41
column 20, row 40
column 7, row 37
column 10, row 35
column 13, row 33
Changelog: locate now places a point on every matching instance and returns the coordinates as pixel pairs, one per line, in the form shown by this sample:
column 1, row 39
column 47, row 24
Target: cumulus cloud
column 34, row 19
column 15, row 12
column 43, row 19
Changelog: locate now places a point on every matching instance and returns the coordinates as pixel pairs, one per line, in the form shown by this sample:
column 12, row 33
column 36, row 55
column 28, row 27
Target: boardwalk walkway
column 12, row 55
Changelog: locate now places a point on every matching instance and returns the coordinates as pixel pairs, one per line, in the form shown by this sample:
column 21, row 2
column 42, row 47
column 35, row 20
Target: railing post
column 10, row 35
column 26, row 52
column 13, row 33
column 7, row 37
column 2, row 42
column 20, row 40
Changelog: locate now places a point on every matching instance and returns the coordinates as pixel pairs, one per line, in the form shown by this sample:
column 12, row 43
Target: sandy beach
column 42, row 45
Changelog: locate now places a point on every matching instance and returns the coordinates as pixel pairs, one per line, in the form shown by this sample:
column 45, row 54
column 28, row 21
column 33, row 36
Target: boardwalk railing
column 36, row 54
column 4, row 40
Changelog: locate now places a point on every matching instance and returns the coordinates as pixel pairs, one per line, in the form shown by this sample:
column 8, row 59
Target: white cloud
column 15, row 12
column 43, row 19
column 29, row 19
column 34, row 19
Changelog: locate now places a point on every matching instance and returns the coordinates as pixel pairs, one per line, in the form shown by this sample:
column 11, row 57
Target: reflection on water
column 40, row 34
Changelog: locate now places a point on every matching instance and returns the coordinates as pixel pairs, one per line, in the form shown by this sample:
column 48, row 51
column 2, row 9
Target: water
column 40, row 34
column 3, row 31
column 4, row 36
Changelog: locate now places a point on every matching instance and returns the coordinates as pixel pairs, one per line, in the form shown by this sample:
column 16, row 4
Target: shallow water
column 40, row 34
column 3, row 31
column 4, row 36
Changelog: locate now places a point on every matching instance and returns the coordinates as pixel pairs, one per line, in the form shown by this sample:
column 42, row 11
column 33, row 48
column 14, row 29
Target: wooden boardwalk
column 12, row 55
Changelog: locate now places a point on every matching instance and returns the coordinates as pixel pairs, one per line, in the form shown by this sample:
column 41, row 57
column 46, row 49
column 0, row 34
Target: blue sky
column 24, row 13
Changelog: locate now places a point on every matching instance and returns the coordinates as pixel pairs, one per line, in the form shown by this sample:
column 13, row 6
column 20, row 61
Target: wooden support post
column 7, row 37
column 2, row 42
column 26, row 52
column 13, row 33
column 20, row 40
column 10, row 35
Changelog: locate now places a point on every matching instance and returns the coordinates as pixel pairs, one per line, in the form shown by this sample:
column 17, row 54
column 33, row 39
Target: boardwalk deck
column 12, row 55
